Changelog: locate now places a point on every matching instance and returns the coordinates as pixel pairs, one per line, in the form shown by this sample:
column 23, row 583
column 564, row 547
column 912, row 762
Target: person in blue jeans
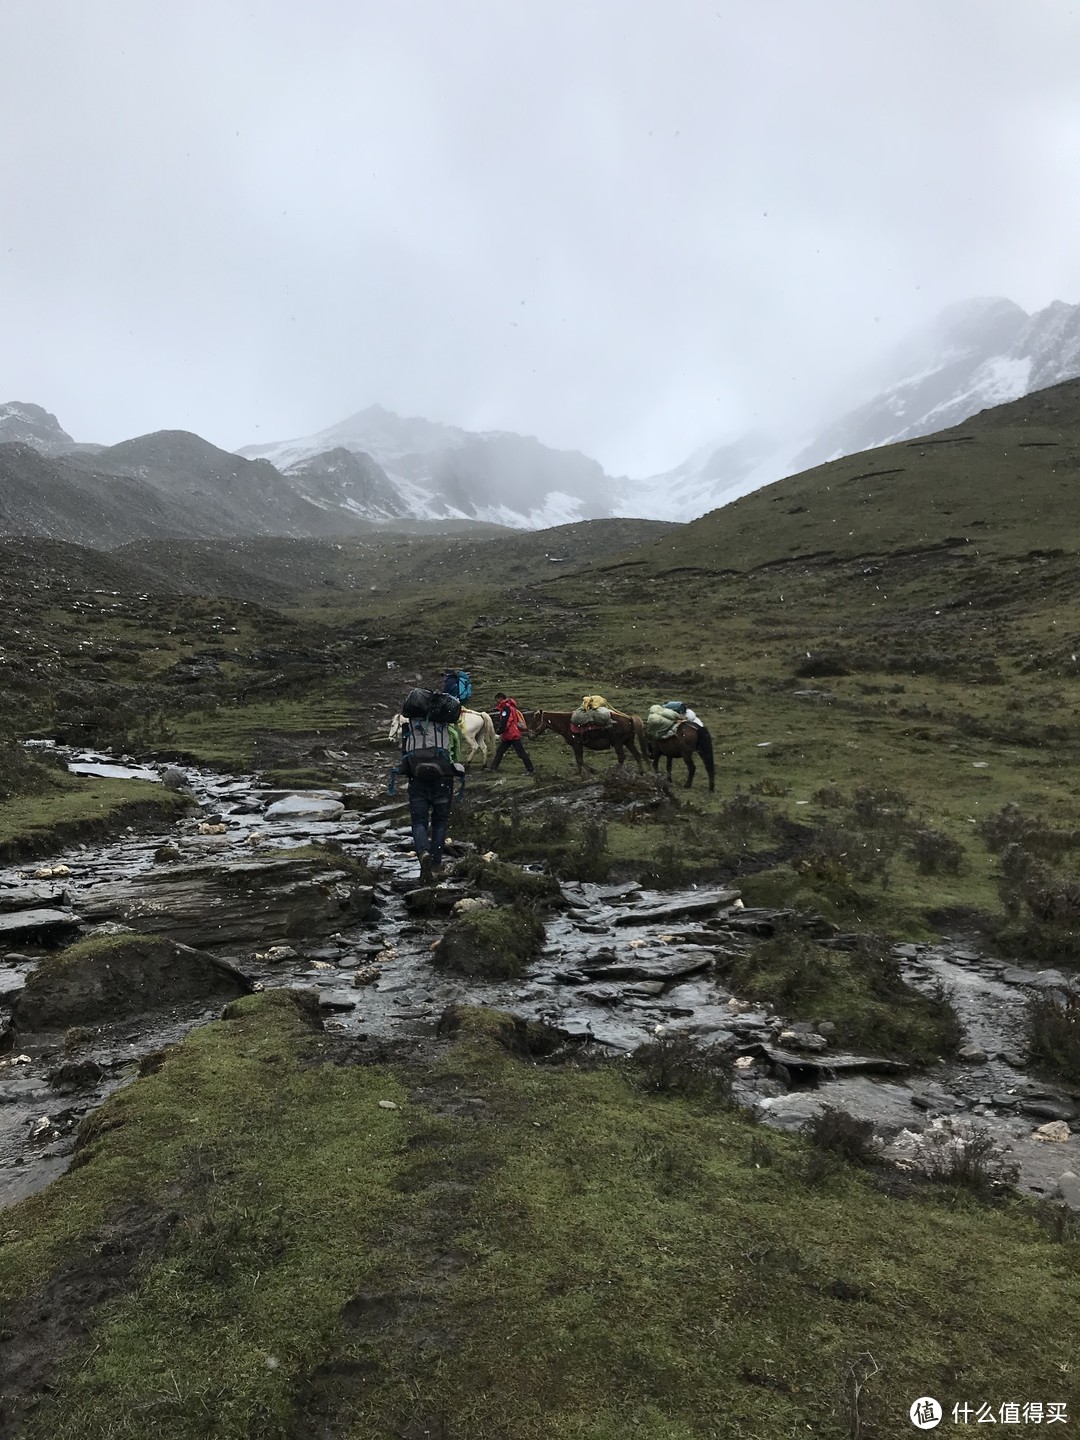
column 430, row 803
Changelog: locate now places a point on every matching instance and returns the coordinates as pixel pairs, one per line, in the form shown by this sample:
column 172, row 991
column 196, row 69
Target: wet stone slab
column 22, row 926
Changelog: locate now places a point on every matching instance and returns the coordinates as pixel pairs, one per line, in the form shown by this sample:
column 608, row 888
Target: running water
column 620, row 964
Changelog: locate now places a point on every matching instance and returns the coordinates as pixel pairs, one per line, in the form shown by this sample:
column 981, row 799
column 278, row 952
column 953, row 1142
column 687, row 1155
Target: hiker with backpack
column 458, row 684
column 430, row 744
column 510, row 727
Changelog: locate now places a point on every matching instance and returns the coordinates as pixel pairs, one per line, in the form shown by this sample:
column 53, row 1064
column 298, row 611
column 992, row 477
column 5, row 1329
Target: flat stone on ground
column 42, row 924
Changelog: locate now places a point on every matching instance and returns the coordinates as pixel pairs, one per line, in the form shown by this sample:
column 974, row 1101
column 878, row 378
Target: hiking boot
column 425, row 868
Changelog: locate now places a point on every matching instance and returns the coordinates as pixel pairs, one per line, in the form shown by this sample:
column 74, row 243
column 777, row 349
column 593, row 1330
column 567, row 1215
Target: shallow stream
column 620, row 963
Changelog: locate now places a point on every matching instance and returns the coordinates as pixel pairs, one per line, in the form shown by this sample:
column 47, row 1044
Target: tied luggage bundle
column 662, row 721
column 431, row 705
column 593, row 712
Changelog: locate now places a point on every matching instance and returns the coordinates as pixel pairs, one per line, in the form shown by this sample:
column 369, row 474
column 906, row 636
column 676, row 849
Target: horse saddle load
column 594, row 702
column 590, row 717
column 661, row 722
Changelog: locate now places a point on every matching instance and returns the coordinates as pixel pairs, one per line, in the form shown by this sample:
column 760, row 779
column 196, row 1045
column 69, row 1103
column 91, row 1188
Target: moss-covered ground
column 517, row 1249
column 70, row 809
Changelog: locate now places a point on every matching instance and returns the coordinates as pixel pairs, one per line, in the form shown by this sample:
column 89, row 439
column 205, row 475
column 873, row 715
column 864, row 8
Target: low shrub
column 741, row 817
column 836, row 858
column 1052, row 1022
column 935, row 852
column 965, row 1159
column 841, row 1133
column 885, row 809
column 678, row 1064
column 831, row 797
column 1013, row 826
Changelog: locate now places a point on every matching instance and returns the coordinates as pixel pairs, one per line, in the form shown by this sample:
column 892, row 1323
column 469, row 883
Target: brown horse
column 684, row 741
column 626, row 732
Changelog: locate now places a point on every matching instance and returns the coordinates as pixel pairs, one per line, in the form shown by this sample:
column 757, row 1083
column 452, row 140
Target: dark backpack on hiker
column 432, row 705
column 679, row 706
column 425, row 750
column 425, row 738
column 458, row 684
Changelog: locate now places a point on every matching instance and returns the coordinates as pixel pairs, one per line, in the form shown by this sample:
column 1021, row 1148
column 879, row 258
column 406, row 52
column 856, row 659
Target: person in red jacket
column 511, row 727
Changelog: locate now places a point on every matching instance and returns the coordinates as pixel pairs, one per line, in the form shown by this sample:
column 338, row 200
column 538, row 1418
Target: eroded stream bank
column 619, row 964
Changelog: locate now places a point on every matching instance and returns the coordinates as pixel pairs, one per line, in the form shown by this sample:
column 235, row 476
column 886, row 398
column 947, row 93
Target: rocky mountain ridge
column 974, row 355
column 378, row 468
column 442, row 470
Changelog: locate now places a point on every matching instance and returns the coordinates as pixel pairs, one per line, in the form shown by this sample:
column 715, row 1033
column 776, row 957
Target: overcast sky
column 625, row 226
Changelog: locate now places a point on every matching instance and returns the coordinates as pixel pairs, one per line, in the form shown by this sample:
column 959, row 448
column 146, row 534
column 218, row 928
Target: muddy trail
column 246, row 894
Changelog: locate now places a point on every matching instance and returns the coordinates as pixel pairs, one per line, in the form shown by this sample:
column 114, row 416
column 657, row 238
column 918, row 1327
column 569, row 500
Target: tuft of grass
column 509, row 882
column 70, row 809
column 859, row 989
column 498, row 942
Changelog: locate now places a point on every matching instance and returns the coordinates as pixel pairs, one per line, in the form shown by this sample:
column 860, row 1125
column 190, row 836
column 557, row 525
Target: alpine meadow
column 541, row 1176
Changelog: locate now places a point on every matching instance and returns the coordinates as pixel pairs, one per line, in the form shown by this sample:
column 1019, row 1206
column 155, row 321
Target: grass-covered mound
column 858, row 989
column 497, row 942
column 51, row 809
column 111, row 976
column 517, row 1250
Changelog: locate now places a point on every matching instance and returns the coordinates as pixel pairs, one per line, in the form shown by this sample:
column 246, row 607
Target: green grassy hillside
column 1006, row 481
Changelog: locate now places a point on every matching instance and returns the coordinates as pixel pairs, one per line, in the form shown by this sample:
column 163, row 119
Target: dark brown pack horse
column 626, row 732
column 686, row 741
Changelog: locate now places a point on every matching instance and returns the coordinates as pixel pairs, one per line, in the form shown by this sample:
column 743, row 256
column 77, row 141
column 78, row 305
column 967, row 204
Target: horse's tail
column 487, row 732
column 705, row 750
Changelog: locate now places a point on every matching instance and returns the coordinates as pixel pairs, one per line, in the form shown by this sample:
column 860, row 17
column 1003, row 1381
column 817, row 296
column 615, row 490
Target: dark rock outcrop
column 118, row 975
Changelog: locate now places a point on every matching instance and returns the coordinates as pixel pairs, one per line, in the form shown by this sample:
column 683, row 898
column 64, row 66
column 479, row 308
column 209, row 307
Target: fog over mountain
column 976, row 354
column 379, row 468
column 632, row 232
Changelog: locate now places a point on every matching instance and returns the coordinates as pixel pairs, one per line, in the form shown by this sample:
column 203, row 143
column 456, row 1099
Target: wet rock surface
column 121, row 976
column 618, row 964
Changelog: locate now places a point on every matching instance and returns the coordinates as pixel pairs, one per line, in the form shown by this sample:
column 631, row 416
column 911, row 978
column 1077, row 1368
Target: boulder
column 1068, row 1188
column 971, row 1055
column 607, row 965
column 1049, row 1109
column 113, row 976
column 703, row 904
column 1054, row 1132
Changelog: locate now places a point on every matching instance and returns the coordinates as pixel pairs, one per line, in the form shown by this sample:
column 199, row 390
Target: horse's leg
column 689, row 758
column 579, row 756
column 631, row 745
column 670, row 762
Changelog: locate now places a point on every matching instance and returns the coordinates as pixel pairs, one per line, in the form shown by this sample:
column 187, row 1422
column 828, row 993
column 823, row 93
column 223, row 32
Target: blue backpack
column 458, row 684
column 679, row 706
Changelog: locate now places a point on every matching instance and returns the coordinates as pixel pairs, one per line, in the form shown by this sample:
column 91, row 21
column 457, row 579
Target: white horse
column 476, row 729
